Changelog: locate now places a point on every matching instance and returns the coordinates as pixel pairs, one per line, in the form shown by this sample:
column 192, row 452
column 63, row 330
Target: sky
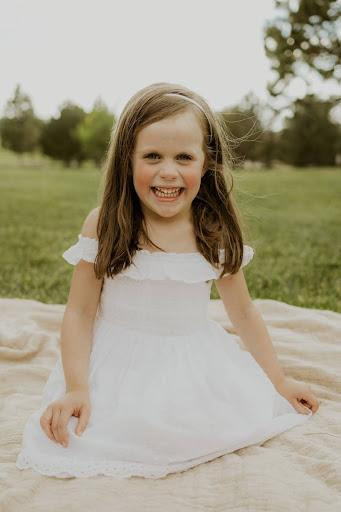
column 80, row 50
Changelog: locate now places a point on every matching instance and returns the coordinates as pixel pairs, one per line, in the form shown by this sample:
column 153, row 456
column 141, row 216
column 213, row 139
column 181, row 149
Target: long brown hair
column 216, row 219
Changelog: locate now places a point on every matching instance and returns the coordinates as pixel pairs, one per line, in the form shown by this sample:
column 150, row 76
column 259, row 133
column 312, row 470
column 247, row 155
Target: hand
column 299, row 395
column 56, row 416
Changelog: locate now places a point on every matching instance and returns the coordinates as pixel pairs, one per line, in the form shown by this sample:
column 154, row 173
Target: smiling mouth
column 172, row 192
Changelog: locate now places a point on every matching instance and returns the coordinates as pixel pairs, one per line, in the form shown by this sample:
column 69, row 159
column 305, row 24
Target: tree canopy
column 59, row 137
column 94, row 132
column 303, row 38
column 310, row 137
column 20, row 129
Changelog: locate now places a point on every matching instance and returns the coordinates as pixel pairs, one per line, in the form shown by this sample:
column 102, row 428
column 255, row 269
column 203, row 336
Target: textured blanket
column 298, row 470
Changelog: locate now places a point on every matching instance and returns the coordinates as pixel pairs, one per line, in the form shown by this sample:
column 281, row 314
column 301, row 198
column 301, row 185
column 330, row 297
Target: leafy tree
column 59, row 137
column 20, row 129
column 94, row 132
column 309, row 136
column 269, row 147
column 304, row 37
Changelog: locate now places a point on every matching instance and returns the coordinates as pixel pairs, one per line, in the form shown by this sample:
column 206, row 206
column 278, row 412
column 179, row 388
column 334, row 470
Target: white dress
column 169, row 387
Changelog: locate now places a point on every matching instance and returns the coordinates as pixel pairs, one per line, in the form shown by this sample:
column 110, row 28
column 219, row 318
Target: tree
column 20, row 129
column 269, row 147
column 94, row 132
column 303, row 38
column 59, row 137
column 310, row 137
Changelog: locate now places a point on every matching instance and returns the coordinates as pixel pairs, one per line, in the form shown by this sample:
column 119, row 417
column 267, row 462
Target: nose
column 169, row 171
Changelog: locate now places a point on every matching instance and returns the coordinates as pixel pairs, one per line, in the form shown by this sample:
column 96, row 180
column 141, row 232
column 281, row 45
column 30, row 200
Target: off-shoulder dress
column 170, row 388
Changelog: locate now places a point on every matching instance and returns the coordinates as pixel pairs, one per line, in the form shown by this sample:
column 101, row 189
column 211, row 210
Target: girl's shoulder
column 89, row 228
column 86, row 247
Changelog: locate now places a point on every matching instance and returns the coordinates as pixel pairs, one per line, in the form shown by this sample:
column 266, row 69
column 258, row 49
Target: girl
column 156, row 385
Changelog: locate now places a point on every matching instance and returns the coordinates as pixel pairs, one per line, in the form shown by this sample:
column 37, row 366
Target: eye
column 151, row 154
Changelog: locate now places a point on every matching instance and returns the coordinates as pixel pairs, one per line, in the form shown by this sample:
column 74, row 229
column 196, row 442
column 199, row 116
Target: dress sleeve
column 247, row 255
column 85, row 249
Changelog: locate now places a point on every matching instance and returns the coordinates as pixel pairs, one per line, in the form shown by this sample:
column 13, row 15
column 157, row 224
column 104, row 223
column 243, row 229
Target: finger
column 315, row 405
column 45, row 423
column 311, row 402
column 305, row 403
column 55, row 421
column 314, row 402
column 301, row 408
column 62, row 425
column 83, row 419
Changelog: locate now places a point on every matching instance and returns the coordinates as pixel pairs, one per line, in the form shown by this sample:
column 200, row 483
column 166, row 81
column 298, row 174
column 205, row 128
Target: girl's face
column 169, row 155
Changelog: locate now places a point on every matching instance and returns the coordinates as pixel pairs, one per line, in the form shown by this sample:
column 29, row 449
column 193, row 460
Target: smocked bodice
column 157, row 306
column 161, row 293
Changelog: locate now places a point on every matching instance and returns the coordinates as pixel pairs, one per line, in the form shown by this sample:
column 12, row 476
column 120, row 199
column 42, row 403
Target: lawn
column 291, row 219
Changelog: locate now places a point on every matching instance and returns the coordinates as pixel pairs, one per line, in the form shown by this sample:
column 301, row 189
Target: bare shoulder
column 89, row 227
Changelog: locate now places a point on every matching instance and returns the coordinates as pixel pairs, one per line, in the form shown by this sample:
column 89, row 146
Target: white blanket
column 296, row 471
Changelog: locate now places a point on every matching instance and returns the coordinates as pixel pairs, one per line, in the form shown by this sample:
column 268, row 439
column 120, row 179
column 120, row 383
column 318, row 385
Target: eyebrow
column 153, row 150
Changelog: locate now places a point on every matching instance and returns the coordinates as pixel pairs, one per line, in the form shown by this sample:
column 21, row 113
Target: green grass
column 292, row 220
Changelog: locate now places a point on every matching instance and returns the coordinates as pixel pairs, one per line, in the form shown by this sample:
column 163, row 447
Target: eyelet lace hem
column 63, row 467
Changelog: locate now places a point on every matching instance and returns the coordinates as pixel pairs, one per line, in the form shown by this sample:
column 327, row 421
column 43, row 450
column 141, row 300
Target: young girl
column 146, row 384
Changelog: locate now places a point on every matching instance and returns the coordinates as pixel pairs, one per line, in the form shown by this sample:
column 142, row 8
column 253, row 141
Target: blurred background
column 270, row 69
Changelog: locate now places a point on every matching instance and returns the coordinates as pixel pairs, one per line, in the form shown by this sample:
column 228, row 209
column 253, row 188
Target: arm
column 79, row 316
column 249, row 324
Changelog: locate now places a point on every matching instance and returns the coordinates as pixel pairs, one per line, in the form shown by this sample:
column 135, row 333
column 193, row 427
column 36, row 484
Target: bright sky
column 79, row 50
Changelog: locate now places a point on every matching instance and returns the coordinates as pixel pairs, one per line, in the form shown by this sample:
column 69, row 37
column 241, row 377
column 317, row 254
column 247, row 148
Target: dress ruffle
column 85, row 249
column 189, row 267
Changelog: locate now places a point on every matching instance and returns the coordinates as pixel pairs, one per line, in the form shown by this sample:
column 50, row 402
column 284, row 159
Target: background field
column 291, row 217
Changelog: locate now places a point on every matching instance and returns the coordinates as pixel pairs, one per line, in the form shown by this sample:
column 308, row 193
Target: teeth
column 174, row 192
column 166, row 190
